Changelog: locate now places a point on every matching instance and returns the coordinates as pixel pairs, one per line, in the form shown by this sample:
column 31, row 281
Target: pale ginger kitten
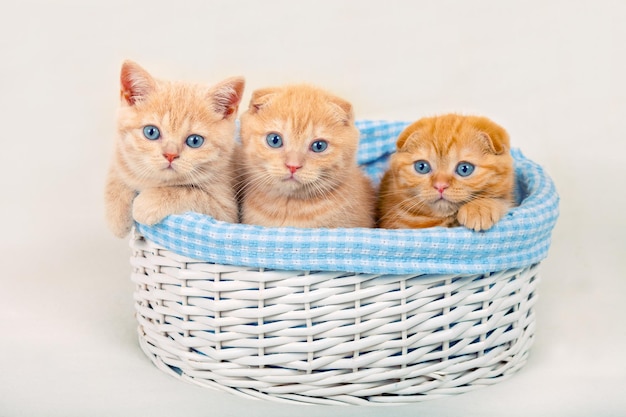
column 173, row 151
column 298, row 161
column 449, row 170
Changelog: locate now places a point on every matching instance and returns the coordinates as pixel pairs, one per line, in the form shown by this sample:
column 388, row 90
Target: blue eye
column 274, row 140
column 464, row 169
column 319, row 146
column 194, row 141
column 422, row 167
column 151, row 132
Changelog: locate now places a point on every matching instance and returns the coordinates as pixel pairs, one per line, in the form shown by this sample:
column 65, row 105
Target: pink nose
column 293, row 168
column 170, row 156
column 441, row 186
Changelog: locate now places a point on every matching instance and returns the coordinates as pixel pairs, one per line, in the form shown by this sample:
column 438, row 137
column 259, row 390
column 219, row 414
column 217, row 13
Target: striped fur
column 441, row 197
column 327, row 189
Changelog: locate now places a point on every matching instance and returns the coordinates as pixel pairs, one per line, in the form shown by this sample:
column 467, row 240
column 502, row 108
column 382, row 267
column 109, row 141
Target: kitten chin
column 174, row 150
column 447, row 171
column 298, row 161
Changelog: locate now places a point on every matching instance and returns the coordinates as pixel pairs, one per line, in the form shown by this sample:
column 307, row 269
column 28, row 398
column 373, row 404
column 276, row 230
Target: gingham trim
column 520, row 239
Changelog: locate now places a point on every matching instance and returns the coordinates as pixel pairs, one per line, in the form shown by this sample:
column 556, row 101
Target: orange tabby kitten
column 173, row 151
column 299, row 161
column 449, row 170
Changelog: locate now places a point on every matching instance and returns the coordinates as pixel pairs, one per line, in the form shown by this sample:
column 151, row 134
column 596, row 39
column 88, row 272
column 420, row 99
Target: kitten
column 449, row 170
column 298, row 161
column 173, row 151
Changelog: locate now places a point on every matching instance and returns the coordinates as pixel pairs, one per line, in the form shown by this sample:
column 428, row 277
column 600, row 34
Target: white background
column 552, row 72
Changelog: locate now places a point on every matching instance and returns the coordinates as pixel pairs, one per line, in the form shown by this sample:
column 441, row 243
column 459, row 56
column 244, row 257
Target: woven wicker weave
column 330, row 337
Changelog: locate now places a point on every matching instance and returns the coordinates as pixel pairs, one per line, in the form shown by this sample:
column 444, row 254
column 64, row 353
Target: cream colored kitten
column 298, row 161
column 173, row 151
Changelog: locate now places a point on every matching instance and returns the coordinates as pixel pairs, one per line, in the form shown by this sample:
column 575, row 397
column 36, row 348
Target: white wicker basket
column 273, row 313
column 327, row 337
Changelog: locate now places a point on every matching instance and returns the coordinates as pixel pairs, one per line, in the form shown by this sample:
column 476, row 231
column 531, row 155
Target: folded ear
column 495, row 138
column 346, row 114
column 226, row 96
column 135, row 82
column 412, row 132
column 260, row 98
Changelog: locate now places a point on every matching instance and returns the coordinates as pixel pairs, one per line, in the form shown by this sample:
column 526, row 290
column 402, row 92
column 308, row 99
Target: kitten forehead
column 179, row 105
column 472, row 132
column 294, row 129
column 173, row 125
column 302, row 105
column 443, row 136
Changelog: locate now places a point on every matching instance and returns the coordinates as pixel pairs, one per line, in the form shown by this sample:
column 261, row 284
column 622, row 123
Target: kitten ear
column 495, row 138
column 260, row 98
column 347, row 114
column 135, row 82
column 410, row 132
column 226, row 96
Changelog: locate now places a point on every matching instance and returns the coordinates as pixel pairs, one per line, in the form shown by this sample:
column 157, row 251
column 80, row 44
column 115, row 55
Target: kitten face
column 173, row 133
column 297, row 141
column 445, row 162
column 441, row 183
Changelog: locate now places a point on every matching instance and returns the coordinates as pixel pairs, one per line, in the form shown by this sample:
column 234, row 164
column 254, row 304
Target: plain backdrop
column 551, row 72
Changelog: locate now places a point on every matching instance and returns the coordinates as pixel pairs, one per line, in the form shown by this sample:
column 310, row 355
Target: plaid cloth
column 520, row 239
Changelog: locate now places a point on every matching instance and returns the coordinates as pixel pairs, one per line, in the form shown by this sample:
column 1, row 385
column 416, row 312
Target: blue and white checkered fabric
column 522, row 238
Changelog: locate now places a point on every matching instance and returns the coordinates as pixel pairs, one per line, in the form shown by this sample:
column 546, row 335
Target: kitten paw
column 481, row 215
column 148, row 209
column 118, row 218
column 120, row 229
column 117, row 202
